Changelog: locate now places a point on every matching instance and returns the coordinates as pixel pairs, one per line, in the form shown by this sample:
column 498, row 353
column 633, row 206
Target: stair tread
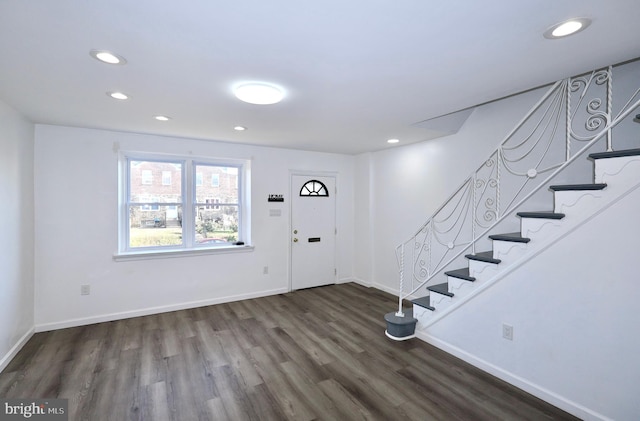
column 514, row 237
column 615, row 154
column 578, row 187
column 424, row 302
column 441, row 289
column 485, row 256
column 462, row 273
column 541, row 215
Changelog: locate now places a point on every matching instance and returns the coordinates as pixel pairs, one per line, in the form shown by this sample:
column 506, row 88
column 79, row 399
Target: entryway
column 313, row 230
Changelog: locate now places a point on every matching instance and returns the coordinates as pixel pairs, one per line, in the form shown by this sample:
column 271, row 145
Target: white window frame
column 188, row 180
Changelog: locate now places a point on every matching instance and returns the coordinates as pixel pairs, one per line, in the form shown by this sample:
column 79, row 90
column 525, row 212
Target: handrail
column 543, row 136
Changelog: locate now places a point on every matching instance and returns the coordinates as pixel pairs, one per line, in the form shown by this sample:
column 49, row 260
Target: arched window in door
column 314, row 188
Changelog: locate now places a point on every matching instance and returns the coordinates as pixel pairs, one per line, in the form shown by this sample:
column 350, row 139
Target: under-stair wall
column 573, row 310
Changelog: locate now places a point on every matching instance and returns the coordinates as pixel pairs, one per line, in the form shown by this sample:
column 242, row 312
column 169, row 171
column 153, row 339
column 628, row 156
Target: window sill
column 167, row 254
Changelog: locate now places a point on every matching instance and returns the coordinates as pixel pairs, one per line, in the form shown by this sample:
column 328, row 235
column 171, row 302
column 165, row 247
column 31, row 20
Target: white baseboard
column 517, row 381
column 6, row 359
column 43, row 327
column 385, row 288
column 361, row 282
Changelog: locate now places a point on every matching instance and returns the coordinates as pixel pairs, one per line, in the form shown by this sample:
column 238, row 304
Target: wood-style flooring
column 316, row 354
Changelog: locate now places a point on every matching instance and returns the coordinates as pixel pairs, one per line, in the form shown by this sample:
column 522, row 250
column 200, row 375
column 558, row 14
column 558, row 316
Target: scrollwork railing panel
column 572, row 115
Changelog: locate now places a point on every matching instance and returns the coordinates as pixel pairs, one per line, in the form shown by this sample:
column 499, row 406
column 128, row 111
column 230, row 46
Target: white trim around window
column 160, row 220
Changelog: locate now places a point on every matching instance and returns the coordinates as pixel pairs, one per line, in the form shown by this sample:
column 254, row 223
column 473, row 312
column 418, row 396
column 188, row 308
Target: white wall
column 76, row 169
column 575, row 321
column 16, row 247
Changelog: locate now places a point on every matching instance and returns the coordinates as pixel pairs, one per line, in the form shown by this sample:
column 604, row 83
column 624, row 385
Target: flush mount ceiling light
column 240, row 128
column 259, row 93
column 393, row 140
column 118, row 95
column 162, row 117
column 107, row 57
column 566, row 28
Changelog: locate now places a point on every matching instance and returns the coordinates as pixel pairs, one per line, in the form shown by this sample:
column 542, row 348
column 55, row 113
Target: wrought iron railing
column 572, row 116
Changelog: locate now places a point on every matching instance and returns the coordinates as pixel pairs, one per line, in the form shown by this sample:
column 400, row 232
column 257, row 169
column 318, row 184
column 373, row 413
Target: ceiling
column 356, row 72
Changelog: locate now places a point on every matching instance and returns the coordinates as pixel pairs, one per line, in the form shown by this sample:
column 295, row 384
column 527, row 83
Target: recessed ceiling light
column 162, row 118
column 118, row 95
column 107, row 57
column 240, row 128
column 393, row 140
column 259, row 93
column 568, row 27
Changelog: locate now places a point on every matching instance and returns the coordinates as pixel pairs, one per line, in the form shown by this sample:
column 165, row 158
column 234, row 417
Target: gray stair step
column 485, row 256
column 423, row 302
column 578, row 187
column 514, row 237
column 461, row 274
column 441, row 289
column 615, row 154
column 541, row 215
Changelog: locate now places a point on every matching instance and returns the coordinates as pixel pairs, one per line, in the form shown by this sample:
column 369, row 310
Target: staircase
column 616, row 173
column 439, row 265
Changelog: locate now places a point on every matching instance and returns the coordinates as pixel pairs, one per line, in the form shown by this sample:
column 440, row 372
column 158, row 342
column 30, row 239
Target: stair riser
column 607, row 169
column 439, row 301
column 482, row 270
column 422, row 314
column 539, row 228
column 508, row 251
column 574, row 202
column 460, row 287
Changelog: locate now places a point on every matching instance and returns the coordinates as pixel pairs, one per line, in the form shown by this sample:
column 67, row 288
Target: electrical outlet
column 507, row 331
column 85, row 289
column 265, row 270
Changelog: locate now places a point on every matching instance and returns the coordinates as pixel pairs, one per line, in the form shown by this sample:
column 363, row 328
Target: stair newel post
column 400, row 313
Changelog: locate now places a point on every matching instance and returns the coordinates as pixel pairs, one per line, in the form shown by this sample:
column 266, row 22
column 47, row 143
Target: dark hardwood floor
column 313, row 354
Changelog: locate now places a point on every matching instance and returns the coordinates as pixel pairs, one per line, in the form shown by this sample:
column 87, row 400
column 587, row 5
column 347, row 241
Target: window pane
column 223, row 187
column 216, row 226
column 151, row 181
column 155, row 226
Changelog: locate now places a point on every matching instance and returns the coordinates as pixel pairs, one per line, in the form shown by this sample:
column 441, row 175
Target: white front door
column 313, row 231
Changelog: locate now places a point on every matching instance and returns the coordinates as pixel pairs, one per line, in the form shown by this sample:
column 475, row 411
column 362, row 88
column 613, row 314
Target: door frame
column 304, row 173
